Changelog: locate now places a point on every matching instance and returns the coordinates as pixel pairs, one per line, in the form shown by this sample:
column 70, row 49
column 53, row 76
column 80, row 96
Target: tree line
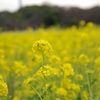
column 37, row 16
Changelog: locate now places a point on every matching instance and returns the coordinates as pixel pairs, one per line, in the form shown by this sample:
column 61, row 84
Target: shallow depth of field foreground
column 50, row 64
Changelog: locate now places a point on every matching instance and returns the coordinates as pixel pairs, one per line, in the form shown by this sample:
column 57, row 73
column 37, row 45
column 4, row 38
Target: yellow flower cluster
column 47, row 71
column 1, row 53
column 97, row 61
column 3, row 88
column 83, row 59
column 28, row 81
column 68, row 69
column 61, row 92
column 42, row 46
column 79, row 77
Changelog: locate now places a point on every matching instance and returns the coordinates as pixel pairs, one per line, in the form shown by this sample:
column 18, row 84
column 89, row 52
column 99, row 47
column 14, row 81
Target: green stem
column 37, row 92
column 42, row 59
column 95, row 50
column 89, row 86
column 2, row 71
column 43, row 63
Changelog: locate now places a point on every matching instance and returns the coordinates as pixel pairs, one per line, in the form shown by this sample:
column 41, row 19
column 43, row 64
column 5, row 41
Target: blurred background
column 21, row 14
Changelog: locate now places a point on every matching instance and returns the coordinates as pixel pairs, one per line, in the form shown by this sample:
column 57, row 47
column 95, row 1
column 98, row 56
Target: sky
column 13, row 5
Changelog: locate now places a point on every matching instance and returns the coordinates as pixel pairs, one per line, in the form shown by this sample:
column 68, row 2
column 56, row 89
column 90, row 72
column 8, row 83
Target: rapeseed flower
column 3, row 89
column 97, row 61
column 1, row 53
column 28, row 81
column 42, row 46
column 68, row 69
column 79, row 77
column 61, row 91
column 83, row 59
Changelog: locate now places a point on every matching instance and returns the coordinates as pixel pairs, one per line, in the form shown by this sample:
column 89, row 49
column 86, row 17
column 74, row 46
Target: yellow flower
column 79, row 77
column 47, row 71
column 61, row 92
column 82, row 22
column 50, row 86
column 84, row 37
column 83, row 59
column 41, row 46
column 97, row 61
column 1, row 53
column 68, row 69
column 85, row 95
column 90, row 24
column 3, row 88
column 28, row 81
column 1, row 76
column 66, row 83
column 75, row 87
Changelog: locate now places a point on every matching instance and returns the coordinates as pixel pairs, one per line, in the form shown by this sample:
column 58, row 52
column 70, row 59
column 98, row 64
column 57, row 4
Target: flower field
column 50, row 64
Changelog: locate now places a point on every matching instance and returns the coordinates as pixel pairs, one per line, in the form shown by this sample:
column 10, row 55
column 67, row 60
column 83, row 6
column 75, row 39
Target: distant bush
column 36, row 16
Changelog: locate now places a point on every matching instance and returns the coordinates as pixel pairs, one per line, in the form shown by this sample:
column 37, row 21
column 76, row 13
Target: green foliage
column 36, row 16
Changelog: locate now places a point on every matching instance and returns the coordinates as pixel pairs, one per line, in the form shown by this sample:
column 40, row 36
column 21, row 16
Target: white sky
column 13, row 5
